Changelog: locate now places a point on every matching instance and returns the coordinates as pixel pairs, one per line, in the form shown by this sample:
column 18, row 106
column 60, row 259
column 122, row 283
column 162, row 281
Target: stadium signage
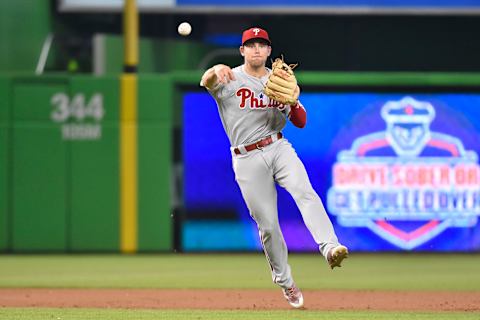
column 407, row 184
column 80, row 119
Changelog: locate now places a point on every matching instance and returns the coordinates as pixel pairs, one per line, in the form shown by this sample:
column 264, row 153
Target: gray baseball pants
column 256, row 173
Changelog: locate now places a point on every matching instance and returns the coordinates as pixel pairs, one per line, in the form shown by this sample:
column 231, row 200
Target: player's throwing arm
column 219, row 73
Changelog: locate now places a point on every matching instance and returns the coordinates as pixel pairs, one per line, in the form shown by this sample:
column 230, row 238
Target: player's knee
column 302, row 191
column 304, row 195
column 267, row 232
column 263, row 216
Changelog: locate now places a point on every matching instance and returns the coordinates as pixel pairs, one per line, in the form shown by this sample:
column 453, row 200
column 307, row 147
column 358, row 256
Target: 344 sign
column 80, row 117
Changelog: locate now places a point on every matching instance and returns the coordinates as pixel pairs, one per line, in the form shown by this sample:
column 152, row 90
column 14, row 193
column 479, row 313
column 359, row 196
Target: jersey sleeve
column 298, row 115
column 215, row 90
column 222, row 91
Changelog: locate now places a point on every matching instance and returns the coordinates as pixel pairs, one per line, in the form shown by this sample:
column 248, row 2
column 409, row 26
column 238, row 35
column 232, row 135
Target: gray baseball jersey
column 247, row 114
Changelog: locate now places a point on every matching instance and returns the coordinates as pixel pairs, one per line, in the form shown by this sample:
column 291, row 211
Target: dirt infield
column 240, row 299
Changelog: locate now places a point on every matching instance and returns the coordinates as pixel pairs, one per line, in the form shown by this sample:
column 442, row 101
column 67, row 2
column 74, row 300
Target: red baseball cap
column 255, row 33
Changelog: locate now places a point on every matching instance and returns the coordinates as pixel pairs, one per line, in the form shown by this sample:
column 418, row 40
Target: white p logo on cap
column 256, row 31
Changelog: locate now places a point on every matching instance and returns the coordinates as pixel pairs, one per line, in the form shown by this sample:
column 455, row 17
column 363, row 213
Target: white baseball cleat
column 294, row 296
column 336, row 255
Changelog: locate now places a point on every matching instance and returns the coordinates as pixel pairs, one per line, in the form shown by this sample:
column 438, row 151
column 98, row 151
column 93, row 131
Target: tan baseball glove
column 282, row 84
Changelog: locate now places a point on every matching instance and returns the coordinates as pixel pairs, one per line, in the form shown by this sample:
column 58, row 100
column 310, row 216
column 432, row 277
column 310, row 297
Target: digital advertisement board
column 395, row 171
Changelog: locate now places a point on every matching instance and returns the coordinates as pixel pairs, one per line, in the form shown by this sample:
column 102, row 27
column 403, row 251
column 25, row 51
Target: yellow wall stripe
column 128, row 163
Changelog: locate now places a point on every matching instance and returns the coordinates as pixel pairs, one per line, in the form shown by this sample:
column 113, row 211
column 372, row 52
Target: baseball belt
column 260, row 144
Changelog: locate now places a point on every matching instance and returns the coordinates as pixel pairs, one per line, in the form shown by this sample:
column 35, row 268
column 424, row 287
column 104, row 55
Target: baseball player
column 254, row 103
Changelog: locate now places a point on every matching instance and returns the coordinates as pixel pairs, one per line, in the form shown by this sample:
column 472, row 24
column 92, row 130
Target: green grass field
column 108, row 314
column 360, row 271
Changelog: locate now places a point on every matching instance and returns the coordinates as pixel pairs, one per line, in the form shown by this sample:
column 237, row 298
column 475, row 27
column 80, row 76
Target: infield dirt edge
column 240, row 299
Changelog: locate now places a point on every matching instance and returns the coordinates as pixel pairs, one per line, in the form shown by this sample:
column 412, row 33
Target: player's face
column 256, row 53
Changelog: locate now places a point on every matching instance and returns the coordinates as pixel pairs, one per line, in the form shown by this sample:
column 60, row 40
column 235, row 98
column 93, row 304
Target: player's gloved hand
column 282, row 84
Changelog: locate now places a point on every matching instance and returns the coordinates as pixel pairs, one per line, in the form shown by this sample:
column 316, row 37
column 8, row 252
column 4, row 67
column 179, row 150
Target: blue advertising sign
column 406, row 183
column 396, row 171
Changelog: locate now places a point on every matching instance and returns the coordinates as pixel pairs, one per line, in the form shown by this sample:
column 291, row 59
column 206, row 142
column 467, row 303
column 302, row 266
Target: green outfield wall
column 154, row 162
column 94, row 170
column 59, row 164
column 4, row 161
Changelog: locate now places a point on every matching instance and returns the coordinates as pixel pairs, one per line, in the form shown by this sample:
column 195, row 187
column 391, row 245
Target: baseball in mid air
column 184, row 29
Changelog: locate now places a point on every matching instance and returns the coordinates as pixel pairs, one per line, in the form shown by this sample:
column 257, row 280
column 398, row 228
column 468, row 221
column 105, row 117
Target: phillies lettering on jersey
column 248, row 97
